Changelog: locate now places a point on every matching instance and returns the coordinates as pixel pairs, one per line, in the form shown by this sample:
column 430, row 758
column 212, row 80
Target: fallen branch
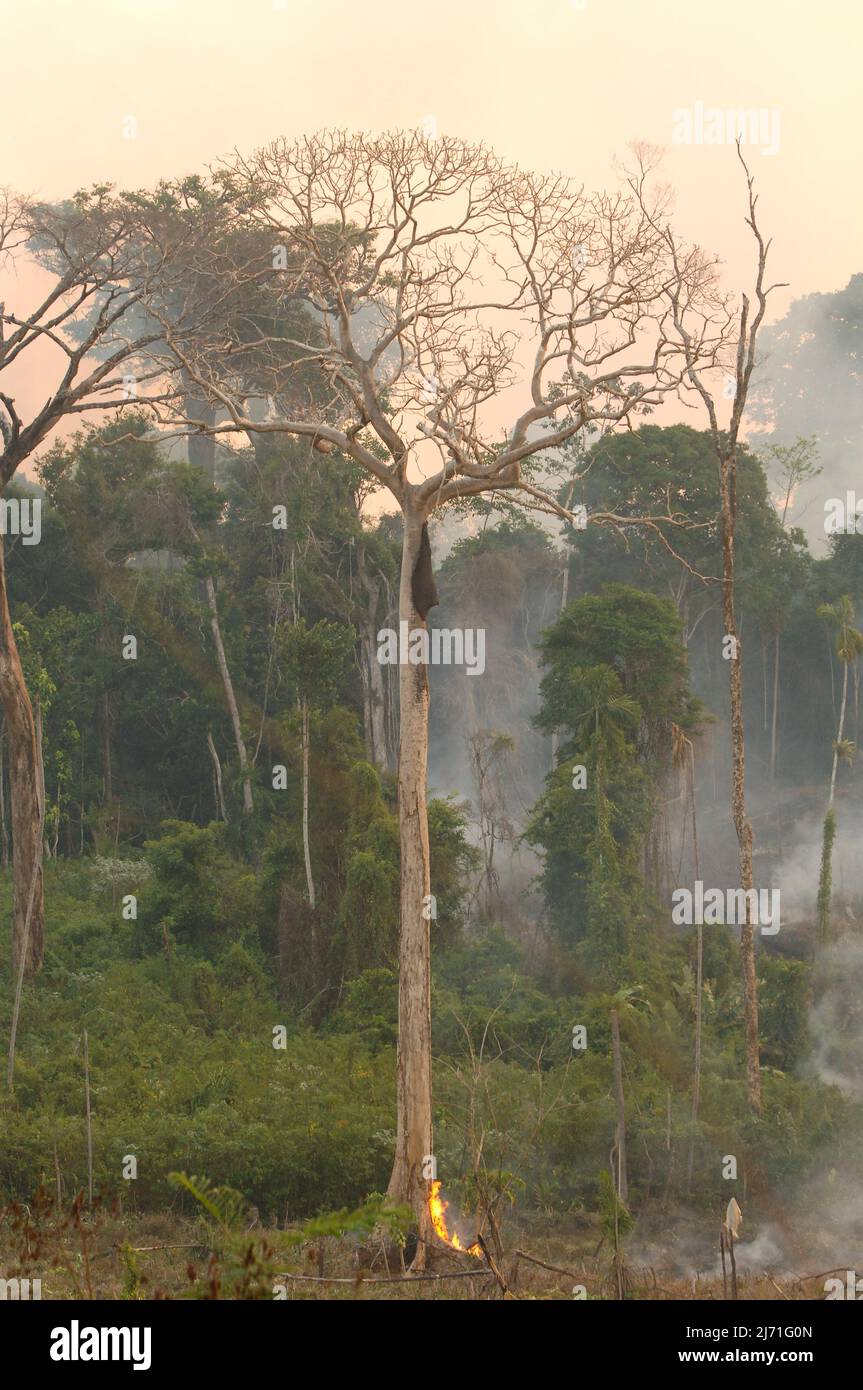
column 192, row 1244
column 489, row 1259
column 555, row 1269
column 142, row 1249
column 840, row 1269
column 399, row 1279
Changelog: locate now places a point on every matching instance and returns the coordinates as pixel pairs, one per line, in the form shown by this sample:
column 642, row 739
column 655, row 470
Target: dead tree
column 621, row 1181
column 706, row 331
column 415, row 282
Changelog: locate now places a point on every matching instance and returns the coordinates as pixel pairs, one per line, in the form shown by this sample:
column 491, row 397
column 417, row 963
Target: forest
column 428, row 791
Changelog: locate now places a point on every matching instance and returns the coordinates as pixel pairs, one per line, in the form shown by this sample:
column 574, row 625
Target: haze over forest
column 431, row 622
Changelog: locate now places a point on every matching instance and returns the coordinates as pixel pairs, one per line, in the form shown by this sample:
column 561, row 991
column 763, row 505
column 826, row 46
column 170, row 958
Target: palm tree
column 605, row 715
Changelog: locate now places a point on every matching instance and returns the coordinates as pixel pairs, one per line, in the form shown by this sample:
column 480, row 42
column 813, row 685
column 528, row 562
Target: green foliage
column 223, row 1205
column 315, row 659
column 181, row 1005
column 825, row 878
column 183, row 1065
column 616, row 721
column 615, row 1219
column 785, row 999
column 199, row 893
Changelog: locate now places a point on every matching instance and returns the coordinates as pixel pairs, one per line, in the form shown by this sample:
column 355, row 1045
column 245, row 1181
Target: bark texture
column 622, row 1181
column 413, row 1065
column 25, row 786
column 230, row 697
column 374, row 687
column 742, row 826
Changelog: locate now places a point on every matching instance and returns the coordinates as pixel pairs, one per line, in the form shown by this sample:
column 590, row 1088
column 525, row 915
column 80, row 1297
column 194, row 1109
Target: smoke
column 689, row 1249
column 797, row 873
column 836, row 1021
column 512, row 593
column 808, row 382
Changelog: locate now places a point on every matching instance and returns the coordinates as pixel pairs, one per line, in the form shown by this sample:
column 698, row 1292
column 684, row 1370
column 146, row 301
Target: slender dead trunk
column 699, row 975
column 215, row 626
column 729, row 1239
column 202, row 452
column 27, row 802
column 40, row 754
column 107, row 774
column 307, row 852
column 217, row 779
column 374, row 697
column 622, row 1184
column 725, row 446
column 378, row 746
column 840, row 731
column 564, row 599
column 775, row 720
column 89, row 1116
column 413, row 1065
column 374, row 689
column 743, row 829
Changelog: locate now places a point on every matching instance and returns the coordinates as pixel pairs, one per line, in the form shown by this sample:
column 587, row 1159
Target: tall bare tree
column 442, row 292
column 706, row 330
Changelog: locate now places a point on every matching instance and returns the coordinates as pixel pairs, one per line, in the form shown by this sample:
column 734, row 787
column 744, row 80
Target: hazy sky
column 552, row 84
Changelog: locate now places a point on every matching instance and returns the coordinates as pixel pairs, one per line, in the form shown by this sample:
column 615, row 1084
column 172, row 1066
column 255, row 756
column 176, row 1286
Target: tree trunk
column 307, row 853
column 217, row 779
column 775, row 719
column 107, row 774
column 40, row 757
column 248, row 803
column 25, row 785
column 413, row 1066
column 699, row 977
column 374, row 690
column 840, row 732
column 728, row 481
column 564, row 599
column 89, row 1115
column 4, row 834
column 622, row 1183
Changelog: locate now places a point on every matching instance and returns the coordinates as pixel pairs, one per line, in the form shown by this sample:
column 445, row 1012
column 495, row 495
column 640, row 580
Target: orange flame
column 437, row 1208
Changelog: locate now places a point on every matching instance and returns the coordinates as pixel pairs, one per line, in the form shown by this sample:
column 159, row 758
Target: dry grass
column 109, row 1254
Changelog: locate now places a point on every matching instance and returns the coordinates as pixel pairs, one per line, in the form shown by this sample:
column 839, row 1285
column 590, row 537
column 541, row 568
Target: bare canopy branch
column 408, row 294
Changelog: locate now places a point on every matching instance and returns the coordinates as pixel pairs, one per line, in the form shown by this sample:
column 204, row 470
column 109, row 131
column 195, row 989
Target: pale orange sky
column 551, row 84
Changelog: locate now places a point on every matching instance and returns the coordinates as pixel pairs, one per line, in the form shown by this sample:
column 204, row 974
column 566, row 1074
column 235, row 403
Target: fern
column 225, row 1205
